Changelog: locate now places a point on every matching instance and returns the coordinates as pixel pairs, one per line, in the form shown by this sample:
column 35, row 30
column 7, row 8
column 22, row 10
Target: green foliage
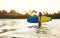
column 12, row 14
column 54, row 16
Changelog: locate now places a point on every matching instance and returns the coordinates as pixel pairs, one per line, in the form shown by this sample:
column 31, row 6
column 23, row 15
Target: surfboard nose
column 33, row 19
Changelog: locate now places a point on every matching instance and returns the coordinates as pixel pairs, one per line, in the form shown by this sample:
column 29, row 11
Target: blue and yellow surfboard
column 35, row 19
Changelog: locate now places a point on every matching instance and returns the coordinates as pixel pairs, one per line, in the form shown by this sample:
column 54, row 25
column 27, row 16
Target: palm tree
column 32, row 12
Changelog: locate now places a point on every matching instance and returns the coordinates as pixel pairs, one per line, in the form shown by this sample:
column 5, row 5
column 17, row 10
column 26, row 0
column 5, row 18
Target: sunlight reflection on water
column 20, row 28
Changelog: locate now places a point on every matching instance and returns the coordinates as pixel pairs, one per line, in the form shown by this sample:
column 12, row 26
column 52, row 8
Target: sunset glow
column 26, row 5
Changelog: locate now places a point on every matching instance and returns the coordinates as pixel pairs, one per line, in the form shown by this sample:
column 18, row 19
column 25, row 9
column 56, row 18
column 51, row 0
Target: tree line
column 14, row 14
column 54, row 15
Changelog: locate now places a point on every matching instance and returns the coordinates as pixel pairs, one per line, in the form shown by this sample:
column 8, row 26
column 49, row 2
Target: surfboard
column 35, row 19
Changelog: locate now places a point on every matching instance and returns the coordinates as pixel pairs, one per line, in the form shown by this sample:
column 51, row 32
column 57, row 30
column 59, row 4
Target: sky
column 50, row 6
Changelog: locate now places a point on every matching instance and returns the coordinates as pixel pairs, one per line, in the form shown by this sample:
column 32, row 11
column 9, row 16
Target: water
column 20, row 28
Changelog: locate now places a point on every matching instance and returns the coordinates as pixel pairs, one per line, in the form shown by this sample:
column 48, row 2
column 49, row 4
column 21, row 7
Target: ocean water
column 20, row 28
